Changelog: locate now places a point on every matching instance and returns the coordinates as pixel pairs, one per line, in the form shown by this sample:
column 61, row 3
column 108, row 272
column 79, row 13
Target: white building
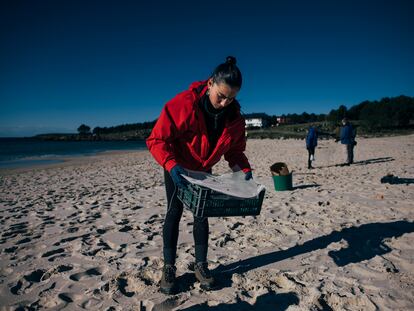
column 256, row 120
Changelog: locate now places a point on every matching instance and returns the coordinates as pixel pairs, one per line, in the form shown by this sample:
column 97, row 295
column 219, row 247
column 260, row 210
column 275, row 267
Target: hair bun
column 231, row 60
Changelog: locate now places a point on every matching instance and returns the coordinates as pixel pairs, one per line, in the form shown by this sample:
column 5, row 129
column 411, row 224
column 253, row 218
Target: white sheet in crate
column 232, row 184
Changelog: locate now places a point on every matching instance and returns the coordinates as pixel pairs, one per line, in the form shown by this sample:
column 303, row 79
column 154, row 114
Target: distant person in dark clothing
column 311, row 143
column 347, row 137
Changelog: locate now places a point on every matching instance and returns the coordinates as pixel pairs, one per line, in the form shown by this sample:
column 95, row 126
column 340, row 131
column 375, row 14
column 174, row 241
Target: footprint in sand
column 57, row 270
column 134, row 208
column 235, row 225
column 123, row 222
column 126, row 229
column 70, row 297
column 36, row 276
column 101, row 230
column 126, row 285
column 223, row 241
column 15, row 230
column 27, row 240
column 168, row 304
column 152, row 219
column 54, row 252
column 141, row 245
column 123, row 287
column 72, row 229
column 86, row 274
column 17, row 289
column 10, row 249
column 70, row 239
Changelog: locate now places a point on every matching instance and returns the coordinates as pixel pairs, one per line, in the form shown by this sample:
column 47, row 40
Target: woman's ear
column 210, row 82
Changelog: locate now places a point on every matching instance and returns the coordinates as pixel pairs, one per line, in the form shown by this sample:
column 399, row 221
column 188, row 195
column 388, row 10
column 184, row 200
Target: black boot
column 204, row 276
column 168, row 284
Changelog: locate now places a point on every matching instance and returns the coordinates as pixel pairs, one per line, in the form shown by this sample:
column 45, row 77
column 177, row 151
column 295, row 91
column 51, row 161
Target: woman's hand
column 179, row 180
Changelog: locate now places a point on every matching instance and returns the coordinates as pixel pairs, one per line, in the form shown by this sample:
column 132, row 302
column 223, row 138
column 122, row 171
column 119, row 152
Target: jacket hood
column 199, row 87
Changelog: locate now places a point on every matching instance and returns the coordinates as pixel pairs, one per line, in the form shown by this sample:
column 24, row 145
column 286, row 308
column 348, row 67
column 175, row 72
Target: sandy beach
column 87, row 234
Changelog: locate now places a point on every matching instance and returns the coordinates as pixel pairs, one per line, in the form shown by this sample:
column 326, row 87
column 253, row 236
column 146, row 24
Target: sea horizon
column 16, row 152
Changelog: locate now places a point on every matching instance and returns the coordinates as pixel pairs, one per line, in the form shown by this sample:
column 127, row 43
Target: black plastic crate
column 204, row 202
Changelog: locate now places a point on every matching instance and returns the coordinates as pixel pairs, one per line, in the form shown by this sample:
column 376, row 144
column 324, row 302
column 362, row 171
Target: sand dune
column 87, row 234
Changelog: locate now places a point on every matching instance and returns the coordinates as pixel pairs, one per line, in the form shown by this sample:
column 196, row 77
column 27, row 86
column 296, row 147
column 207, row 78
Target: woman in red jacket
column 195, row 129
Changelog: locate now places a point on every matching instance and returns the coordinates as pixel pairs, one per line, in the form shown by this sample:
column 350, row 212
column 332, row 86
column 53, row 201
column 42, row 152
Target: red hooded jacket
column 180, row 135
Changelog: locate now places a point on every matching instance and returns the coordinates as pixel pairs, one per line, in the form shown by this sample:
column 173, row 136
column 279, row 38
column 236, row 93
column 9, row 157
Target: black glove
column 179, row 180
column 248, row 176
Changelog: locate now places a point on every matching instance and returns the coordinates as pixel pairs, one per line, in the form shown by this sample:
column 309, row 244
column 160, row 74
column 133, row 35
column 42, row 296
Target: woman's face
column 221, row 95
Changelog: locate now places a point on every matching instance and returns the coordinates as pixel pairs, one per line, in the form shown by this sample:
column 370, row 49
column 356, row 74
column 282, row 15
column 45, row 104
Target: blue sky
column 105, row 63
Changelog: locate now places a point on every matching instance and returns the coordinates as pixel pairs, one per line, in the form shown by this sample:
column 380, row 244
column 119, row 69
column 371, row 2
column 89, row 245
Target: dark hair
column 228, row 73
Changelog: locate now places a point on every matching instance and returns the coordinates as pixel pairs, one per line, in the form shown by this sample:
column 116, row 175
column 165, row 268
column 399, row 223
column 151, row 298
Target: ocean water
column 21, row 152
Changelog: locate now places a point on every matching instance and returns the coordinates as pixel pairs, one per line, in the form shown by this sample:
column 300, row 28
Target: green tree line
column 387, row 113
column 85, row 129
column 124, row 128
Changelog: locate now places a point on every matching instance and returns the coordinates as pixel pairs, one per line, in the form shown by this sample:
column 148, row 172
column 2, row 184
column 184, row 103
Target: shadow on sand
column 373, row 161
column 267, row 302
column 364, row 242
column 395, row 180
column 363, row 162
column 305, row 186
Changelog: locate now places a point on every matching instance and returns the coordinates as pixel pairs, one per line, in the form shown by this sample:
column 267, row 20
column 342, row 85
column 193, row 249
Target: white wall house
column 256, row 120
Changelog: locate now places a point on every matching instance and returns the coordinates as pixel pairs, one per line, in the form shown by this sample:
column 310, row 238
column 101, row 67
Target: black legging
column 171, row 226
